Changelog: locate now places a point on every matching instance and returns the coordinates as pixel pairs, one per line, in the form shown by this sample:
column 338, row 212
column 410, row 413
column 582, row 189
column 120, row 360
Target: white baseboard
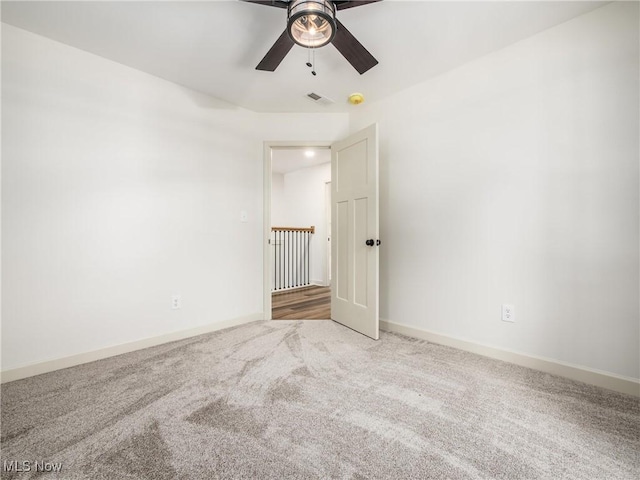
column 618, row 383
column 86, row 357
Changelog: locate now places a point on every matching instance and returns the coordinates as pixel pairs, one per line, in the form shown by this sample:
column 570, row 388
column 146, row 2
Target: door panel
column 354, row 197
column 361, row 252
column 352, row 171
column 341, row 244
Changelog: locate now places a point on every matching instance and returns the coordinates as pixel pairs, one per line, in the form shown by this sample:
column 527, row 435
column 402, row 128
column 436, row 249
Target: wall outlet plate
column 176, row 302
column 508, row 313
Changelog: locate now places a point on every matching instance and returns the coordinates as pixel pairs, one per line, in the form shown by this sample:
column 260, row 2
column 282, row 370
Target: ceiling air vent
column 320, row 99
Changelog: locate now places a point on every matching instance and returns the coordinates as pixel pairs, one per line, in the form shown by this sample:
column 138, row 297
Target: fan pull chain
column 313, row 69
column 311, row 60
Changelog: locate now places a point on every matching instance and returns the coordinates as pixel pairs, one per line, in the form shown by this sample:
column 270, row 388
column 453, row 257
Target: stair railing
column 291, row 257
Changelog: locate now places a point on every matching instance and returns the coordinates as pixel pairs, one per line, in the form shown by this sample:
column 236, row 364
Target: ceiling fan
column 313, row 24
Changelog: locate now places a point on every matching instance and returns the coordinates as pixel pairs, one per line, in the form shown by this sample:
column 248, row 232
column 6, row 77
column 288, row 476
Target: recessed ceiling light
column 309, row 153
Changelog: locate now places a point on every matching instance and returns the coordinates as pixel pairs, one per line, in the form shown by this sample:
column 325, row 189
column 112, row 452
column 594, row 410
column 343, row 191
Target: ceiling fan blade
column 352, row 49
column 270, row 3
column 276, row 54
column 350, row 4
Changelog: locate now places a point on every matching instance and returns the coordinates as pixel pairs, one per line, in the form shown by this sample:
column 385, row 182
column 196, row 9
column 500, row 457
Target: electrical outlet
column 507, row 313
column 176, row 302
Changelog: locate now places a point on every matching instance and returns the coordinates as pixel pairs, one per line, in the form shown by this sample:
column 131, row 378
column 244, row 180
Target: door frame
column 268, row 146
column 327, row 222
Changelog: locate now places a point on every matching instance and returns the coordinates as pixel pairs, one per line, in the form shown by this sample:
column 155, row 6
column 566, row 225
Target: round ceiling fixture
column 311, row 23
column 356, row 98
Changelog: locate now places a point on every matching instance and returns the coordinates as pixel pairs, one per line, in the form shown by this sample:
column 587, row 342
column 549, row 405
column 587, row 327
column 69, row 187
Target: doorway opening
column 298, row 228
column 354, row 239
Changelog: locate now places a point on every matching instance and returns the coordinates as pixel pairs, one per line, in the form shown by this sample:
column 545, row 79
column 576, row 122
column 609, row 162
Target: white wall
column 514, row 179
column 120, row 189
column 278, row 204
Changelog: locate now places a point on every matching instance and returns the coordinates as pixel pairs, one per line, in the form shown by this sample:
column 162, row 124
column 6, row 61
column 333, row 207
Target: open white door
column 354, row 232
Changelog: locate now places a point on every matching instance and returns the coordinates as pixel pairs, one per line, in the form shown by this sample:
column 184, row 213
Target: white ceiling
column 214, row 46
column 290, row 159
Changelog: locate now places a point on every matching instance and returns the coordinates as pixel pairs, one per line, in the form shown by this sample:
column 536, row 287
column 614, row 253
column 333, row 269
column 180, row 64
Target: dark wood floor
column 312, row 303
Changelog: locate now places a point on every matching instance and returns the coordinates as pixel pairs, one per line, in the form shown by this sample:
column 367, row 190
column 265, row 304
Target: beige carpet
column 291, row 399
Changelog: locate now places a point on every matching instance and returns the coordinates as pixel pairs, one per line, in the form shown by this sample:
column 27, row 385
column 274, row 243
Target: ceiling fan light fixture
column 311, row 23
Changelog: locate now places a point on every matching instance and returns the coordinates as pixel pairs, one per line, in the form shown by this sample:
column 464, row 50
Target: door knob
column 370, row 242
